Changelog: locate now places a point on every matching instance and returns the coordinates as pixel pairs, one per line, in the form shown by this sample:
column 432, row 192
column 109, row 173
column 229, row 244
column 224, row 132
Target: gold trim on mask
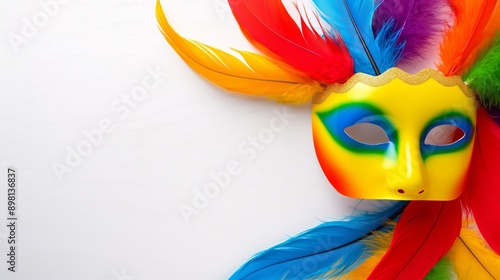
column 391, row 74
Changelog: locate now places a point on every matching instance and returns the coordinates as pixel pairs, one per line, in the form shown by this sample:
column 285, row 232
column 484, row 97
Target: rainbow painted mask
column 396, row 136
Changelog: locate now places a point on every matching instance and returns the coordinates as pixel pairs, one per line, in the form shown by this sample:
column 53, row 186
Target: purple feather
column 417, row 20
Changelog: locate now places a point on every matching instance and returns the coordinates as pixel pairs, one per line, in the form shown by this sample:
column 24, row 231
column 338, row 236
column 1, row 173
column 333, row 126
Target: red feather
column 423, row 235
column 267, row 24
column 482, row 194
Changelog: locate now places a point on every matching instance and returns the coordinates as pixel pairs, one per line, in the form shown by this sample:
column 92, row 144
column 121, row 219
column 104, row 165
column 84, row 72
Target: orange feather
column 461, row 39
column 255, row 75
column 488, row 37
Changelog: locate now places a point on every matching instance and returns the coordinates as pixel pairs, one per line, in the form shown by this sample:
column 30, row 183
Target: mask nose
column 410, row 178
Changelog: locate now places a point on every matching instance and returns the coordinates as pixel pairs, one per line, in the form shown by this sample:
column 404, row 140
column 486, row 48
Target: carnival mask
column 425, row 139
column 396, row 136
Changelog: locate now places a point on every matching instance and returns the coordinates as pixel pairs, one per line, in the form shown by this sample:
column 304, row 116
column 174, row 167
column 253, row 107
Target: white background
column 116, row 214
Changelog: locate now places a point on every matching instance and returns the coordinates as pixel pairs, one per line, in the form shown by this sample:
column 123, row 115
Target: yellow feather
column 380, row 244
column 472, row 259
column 257, row 75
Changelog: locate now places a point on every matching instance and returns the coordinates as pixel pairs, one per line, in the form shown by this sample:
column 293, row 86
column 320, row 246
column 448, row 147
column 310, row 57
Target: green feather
column 484, row 76
column 441, row 271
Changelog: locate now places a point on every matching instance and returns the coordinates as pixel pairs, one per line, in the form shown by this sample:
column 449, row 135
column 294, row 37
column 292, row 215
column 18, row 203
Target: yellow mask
column 396, row 136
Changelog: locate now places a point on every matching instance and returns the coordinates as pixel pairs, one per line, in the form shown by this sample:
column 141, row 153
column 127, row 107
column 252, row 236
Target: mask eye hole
column 367, row 133
column 444, row 135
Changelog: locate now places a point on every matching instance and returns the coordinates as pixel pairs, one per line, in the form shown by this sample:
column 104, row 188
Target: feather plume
column 390, row 49
column 267, row 24
column 256, row 75
column 491, row 28
column 482, row 193
column 466, row 32
column 377, row 245
column 423, row 235
column 484, row 76
column 488, row 37
column 332, row 247
column 353, row 20
column 471, row 259
column 442, row 270
column 417, row 19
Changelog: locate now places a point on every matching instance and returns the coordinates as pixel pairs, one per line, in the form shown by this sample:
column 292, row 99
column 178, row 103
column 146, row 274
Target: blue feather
column 391, row 50
column 352, row 19
column 333, row 247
